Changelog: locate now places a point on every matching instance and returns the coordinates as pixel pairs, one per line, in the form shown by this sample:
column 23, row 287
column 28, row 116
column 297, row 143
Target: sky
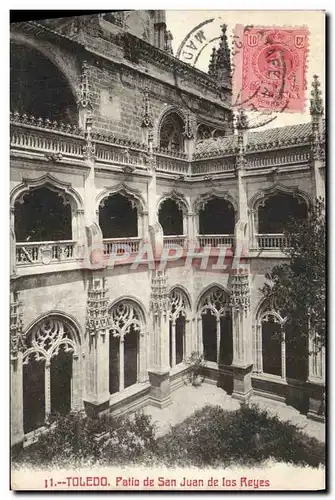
column 181, row 22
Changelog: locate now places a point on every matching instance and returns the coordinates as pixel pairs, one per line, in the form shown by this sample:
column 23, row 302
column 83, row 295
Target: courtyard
column 186, row 400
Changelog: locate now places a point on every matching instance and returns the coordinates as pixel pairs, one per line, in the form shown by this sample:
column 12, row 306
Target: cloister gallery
column 107, row 152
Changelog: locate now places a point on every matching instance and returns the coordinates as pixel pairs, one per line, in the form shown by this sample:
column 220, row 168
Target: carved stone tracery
column 124, row 318
column 215, row 301
column 46, row 339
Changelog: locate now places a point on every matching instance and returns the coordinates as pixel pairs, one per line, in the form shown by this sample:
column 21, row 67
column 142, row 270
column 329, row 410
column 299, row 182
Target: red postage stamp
column 269, row 69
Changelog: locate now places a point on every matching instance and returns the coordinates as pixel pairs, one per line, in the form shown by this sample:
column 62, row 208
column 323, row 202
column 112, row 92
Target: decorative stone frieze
column 160, row 300
column 97, row 307
column 240, row 292
column 84, row 91
column 17, row 337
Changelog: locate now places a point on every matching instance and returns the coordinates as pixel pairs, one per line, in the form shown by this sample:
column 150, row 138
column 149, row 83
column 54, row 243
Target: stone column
column 97, row 358
column 89, row 190
column 159, row 373
column 173, row 342
column 318, row 140
column 17, row 346
column 242, row 337
column 316, row 380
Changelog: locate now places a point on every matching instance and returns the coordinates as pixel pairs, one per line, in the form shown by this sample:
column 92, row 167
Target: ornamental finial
column 316, row 107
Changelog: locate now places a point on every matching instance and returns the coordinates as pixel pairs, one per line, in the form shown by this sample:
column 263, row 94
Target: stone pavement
column 188, row 399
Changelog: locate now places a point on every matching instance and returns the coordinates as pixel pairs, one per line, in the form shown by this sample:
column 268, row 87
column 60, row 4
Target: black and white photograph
column 168, row 250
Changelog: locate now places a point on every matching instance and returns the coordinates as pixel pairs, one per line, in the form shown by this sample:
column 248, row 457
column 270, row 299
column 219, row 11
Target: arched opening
column 203, row 132
column 42, row 215
column 170, row 217
column 209, row 336
column 272, row 337
column 179, row 307
column 124, row 345
column 276, row 211
column 216, row 327
column 33, row 395
column 171, row 133
column 180, row 339
column 60, row 381
column 118, row 217
column 47, row 371
column 38, row 88
column 130, row 357
column 217, row 217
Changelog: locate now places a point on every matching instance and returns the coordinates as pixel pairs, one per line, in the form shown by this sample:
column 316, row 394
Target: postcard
column 167, row 242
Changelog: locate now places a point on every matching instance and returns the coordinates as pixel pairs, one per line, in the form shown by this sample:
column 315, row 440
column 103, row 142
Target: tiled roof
column 280, row 136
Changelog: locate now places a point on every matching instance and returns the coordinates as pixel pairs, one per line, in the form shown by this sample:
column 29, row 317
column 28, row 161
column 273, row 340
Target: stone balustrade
column 120, row 246
column 53, row 139
column 271, row 241
column 45, row 252
column 175, row 241
column 216, row 240
column 172, row 164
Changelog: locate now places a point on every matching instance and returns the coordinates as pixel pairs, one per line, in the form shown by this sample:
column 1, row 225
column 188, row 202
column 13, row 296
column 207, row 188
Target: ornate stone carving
column 84, row 91
column 89, row 150
column 46, row 339
column 124, row 317
column 55, row 157
column 189, row 127
column 241, row 120
column 147, row 119
column 316, row 103
column 202, row 200
column 240, row 292
column 215, row 301
column 160, row 300
column 17, row 338
column 178, row 304
column 97, row 307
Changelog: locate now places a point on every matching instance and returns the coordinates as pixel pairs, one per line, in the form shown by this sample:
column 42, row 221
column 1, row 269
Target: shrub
column 213, row 437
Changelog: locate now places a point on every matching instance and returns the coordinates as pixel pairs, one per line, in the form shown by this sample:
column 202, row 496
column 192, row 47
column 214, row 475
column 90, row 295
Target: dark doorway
column 170, row 217
column 114, row 364
column 33, row 395
column 180, row 338
column 171, row 133
column 271, row 347
column 209, row 336
column 42, row 217
column 130, row 357
column 118, row 218
column 226, row 340
column 296, row 354
column 217, row 217
column 274, row 216
column 60, row 381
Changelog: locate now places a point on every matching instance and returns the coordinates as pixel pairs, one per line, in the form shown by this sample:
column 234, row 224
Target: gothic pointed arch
column 127, row 344
column 170, row 129
column 134, row 196
column 271, row 208
column 172, row 210
column 51, row 369
column 215, row 325
column 64, row 189
column 278, row 188
column 201, row 201
column 180, row 307
column 45, row 209
column 216, row 212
